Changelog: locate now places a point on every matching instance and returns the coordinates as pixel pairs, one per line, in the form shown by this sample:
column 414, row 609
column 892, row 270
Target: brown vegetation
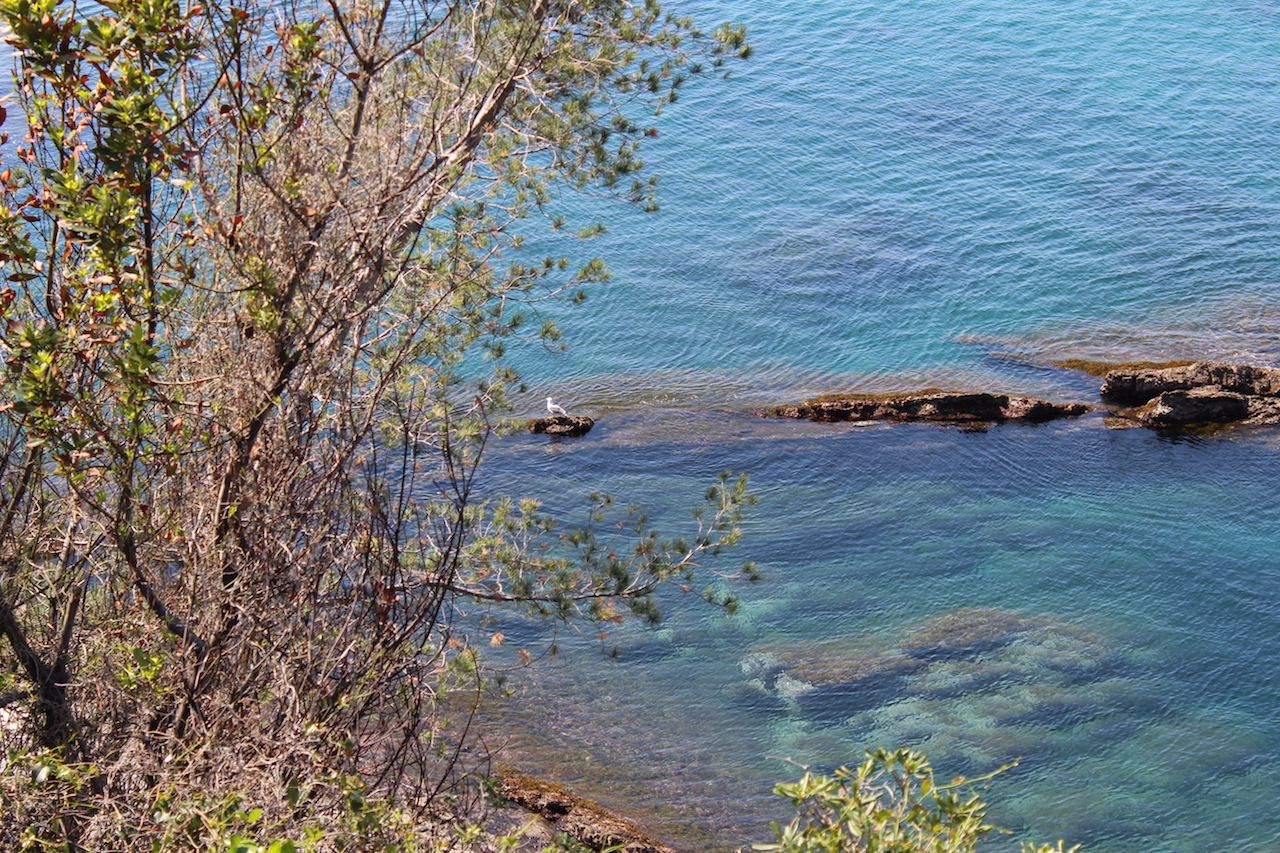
column 253, row 352
column 1102, row 368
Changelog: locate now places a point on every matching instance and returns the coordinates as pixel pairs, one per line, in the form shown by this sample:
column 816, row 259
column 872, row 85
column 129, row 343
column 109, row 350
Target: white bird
column 554, row 409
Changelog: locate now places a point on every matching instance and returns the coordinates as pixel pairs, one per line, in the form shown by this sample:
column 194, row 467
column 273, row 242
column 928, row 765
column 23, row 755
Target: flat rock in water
column 567, row 425
column 945, row 407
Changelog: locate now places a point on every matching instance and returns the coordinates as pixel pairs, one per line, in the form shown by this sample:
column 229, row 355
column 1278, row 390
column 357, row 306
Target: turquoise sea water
column 937, row 193
column 940, row 193
column 883, row 179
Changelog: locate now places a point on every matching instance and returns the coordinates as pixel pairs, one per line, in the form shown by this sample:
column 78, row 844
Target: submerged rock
column 832, row 703
column 830, row 680
column 757, row 700
column 973, row 687
column 847, row 685
column 932, row 405
column 829, row 661
column 1067, row 708
column 970, row 632
column 566, row 425
column 966, row 652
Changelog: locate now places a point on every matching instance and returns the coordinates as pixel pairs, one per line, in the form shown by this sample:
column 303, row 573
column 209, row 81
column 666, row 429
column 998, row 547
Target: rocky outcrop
column 574, row 815
column 1203, row 392
column 1134, row 387
column 946, row 407
column 571, row 426
column 1194, row 406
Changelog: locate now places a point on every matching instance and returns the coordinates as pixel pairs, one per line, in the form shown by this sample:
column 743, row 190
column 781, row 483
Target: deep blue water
column 941, row 193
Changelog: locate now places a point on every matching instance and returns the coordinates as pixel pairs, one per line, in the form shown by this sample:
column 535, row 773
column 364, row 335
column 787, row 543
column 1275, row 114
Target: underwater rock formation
column 967, row 651
column 571, row 426
column 976, row 688
column 829, row 680
column 969, row 632
column 933, row 406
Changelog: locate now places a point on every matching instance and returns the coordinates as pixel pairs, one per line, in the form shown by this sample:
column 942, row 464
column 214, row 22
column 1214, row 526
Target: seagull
column 554, row 409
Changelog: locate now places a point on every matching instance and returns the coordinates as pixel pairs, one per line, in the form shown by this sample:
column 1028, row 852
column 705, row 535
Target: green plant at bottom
column 890, row 804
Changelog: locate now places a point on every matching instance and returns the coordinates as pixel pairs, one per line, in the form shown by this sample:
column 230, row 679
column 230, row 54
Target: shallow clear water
column 944, row 193
column 1140, row 697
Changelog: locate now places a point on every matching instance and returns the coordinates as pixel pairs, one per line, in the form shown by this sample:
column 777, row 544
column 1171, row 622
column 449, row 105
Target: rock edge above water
column 932, row 406
column 1202, row 392
column 566, row 425
column 1177, row 395
column 1172, row 396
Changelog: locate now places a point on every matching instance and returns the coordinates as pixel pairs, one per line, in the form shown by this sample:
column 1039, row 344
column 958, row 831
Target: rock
column 1006, row 656
column 840, row 660
column 1203, row 392
column 859, row 689
column 575, row 815
column 970, row 632
column 828, row 681
column 1102, row 368
column 754, row 699
column 566, row 425
column 1136, row 386
column 933, row 406
column 1037, row 411
column 1065, row 709
column 1195, row 406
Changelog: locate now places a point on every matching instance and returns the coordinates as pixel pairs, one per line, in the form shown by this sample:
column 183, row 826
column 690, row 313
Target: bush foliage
column 260, row 264
column 890, row 804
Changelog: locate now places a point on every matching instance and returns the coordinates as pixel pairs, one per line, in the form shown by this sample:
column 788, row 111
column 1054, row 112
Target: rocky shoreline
column 575, row 815
column 1203, row 392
